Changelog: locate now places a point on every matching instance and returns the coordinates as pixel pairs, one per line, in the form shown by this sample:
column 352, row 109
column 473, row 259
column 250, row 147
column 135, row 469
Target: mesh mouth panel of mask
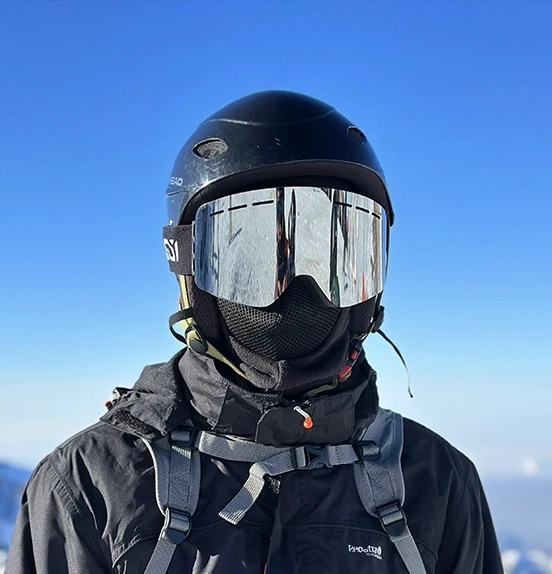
column 293, row 326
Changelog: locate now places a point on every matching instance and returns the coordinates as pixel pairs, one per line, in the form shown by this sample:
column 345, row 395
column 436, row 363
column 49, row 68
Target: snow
column 531, row 562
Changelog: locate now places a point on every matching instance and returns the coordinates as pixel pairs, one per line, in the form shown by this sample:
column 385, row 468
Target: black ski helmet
column 264, row 140
column 273, row 138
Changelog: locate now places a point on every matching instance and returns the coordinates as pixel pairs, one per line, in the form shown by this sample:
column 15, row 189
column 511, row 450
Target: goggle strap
column 178, row 241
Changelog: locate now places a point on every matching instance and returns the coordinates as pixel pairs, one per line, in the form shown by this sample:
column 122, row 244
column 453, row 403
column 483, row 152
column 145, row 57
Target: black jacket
column 90, row 506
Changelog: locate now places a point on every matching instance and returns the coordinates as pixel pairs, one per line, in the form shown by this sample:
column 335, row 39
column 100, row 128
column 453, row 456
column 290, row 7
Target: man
column 271, row 452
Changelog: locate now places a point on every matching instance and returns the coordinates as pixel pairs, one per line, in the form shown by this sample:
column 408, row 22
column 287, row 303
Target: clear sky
column 97, row 98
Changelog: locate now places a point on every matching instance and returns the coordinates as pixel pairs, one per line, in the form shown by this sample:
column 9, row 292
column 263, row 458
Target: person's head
column 278, row 232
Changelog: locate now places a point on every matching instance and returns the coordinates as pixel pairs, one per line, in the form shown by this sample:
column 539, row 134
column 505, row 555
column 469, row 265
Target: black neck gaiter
column 226, row 407
column 292, row 346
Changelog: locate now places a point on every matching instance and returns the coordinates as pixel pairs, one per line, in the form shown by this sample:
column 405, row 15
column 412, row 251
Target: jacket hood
column 154, row 406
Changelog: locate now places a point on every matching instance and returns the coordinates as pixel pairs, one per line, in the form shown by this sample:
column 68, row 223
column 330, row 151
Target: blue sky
column 97, row 98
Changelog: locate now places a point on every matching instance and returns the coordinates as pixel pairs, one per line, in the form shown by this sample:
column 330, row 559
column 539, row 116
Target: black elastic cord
column 396, row 349
column 176, row 318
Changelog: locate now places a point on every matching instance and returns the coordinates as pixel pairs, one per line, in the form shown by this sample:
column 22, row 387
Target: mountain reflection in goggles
column 249, row 246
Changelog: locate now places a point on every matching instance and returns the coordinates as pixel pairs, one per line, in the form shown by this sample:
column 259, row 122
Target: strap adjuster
column 177, row 526
column 392, row 518
column 183, row 438
column 315, row 457
column 367, row 450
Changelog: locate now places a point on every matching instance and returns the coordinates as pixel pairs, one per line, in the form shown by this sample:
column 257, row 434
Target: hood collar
column 155, row 405
column 189, row 390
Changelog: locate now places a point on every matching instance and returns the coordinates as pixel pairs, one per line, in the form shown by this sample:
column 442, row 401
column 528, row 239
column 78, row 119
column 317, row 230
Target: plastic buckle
column 183, row 438
column 315, row 457
column 197, row 343
column 177, row 526
column 361, row 451
column 392, row 518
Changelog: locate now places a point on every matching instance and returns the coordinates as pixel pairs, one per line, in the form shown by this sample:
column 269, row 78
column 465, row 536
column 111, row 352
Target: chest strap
column 377, row 470
column 271, row 461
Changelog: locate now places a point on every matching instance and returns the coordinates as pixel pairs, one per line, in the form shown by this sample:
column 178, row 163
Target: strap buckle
column 315, row 457
column 196, row 342
column 367, row 450
column 183, row 438
column 392, row 518
column 177, row 526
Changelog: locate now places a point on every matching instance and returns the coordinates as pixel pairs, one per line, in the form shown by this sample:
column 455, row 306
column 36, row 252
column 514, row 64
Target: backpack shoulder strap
column 380, row 483
column 177, row 481
column 377, row 470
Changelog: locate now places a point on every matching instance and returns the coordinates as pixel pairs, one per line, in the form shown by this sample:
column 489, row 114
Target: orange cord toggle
column 308, row 422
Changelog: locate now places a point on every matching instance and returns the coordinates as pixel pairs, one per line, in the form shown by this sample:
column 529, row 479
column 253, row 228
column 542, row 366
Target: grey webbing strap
column 234, row 448
column 285, row 460
column 177, row 481
column 237, row 508
column 380, row 484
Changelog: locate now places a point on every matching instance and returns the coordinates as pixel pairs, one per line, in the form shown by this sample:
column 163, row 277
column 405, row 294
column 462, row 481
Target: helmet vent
column 208, row 149
column 355, row 135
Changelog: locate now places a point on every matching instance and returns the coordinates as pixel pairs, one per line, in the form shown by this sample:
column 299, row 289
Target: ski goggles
column 249, row 246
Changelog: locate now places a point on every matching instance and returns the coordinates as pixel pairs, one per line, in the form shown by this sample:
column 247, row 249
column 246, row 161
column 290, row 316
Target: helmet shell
column 273, row 138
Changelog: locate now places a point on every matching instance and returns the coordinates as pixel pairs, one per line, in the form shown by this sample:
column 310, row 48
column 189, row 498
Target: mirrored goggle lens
column 249, row 246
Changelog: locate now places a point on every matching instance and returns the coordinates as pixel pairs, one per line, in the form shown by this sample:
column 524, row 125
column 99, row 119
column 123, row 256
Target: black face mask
column 295, row 345
column 293, row 326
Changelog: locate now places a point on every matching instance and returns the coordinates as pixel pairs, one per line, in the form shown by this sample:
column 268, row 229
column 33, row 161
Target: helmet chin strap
column 192, row 336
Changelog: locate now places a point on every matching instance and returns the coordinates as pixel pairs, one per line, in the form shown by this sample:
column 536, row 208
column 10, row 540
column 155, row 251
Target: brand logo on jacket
column 373, row 551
